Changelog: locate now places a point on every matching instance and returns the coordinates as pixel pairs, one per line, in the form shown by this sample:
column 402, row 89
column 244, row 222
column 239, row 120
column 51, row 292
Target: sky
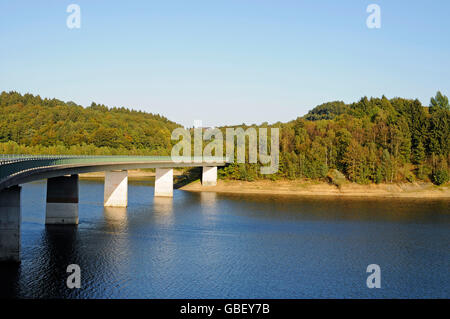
column 224, row 62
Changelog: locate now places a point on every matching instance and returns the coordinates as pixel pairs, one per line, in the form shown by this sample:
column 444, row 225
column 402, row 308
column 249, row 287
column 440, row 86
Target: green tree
column 439, row 102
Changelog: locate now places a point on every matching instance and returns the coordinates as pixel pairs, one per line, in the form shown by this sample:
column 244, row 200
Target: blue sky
column 224, row 62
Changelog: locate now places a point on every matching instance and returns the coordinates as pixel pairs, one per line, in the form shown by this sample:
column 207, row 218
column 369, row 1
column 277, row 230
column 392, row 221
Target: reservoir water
column 207, row 245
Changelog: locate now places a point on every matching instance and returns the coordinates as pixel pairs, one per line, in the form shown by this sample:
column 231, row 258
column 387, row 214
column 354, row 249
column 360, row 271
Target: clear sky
column 224, row 62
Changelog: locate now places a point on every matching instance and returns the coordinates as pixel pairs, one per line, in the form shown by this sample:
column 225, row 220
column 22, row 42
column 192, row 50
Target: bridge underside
column 62, row 194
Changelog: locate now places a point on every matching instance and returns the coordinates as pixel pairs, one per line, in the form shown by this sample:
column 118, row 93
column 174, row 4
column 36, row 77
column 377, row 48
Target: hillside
column 370, row 141
column 30, row 124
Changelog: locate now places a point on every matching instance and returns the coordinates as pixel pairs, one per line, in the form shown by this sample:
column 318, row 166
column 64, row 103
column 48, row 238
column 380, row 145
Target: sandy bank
column 310, row 188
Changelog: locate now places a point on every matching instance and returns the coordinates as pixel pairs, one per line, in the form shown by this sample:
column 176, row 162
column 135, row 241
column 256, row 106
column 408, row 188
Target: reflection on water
column 208, row 245
column 208, row 199
column 10, row 276
column 163, row 209
column 115, row 217
column 61, row 244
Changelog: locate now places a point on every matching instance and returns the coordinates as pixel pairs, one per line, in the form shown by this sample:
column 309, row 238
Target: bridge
column 61, row 173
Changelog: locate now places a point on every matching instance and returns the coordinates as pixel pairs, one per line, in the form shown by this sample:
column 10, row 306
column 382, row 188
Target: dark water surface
column 232, row 246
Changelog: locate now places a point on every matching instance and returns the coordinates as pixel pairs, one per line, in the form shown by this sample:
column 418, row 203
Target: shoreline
column 304, row 188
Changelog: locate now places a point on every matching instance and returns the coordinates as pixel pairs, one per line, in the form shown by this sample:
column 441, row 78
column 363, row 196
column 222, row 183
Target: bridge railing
column 13, row 164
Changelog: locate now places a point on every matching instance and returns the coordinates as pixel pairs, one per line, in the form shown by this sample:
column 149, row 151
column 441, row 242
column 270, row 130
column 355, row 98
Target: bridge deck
column 19, row 169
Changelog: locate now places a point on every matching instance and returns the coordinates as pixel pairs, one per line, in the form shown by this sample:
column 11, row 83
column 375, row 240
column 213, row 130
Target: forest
column 374, row 140
column 32, row 125
column 370, row 141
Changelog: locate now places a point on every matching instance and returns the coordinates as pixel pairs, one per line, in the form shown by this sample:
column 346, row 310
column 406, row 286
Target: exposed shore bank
column 313, row 188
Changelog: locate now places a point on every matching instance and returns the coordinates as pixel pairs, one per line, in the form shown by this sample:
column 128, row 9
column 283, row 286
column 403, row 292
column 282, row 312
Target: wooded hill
column 373, row 140
column 30, row 124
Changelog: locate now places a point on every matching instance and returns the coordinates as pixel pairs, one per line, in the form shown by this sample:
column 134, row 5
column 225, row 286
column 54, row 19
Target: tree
column 439, row 102
column 356, row 162
column 419, row 154
column 387, row 166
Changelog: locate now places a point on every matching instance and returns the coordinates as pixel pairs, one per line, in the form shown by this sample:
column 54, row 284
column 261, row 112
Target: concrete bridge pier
column 164, row 182
column 116, row 189
column 209, row 176
column 62, row 200
column 10, row 224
